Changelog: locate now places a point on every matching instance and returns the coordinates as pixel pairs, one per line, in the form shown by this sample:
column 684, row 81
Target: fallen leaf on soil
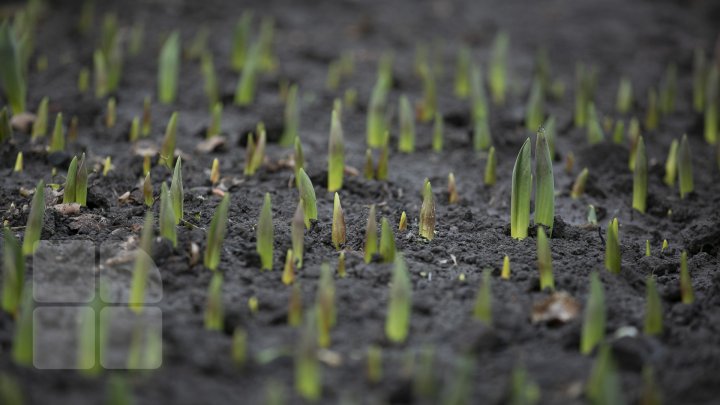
column 216, row 191
column 560, row 307
column 67, row 209
column 126, row 198
column 329, row 357
column 351, row 171
column 22, row 122
column 210, row 145
column 145, row 148
column 194, row 254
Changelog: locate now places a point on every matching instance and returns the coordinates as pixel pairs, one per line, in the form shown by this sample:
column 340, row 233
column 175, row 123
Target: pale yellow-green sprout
column 338, row 224
column 371, row 241
column 336, row 153
column 427, row 213
column 297, row 232
column 265, row 234
column 397, row 322
column 288, row 275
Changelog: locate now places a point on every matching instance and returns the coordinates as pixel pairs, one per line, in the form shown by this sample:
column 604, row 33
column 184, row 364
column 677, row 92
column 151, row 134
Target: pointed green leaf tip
column 686, row 288
column 35, row 220
column 387, row 242
column 214, row 313
column 167, row 216
column 612, row 247
column 685, row 168
column 176, row 191
column 70, row 182
column 593, row 329
column 397, row 322
column 265, row 234
column 307, row 194
column 406, row 140
column 653, row 309
column 142, row 266
column 11, row 75
column 520, row 198
column 169, row 69
column 544, row 255
column 57, row 142
column 338, row 224
column 216, row 234
column 81, row 182
column 292, row 118
column 13, row 273
column 427, row 213
column 640, row 178
column 544, row 183
column 371, row 241
column 483, row 302
column 336, row 153
column 167, row 151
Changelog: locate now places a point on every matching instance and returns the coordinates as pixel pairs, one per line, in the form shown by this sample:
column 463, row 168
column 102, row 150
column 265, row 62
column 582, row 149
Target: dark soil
column 634, row 38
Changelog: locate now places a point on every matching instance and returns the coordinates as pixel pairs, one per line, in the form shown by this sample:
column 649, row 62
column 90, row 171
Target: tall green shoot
column 685, row 173
column 11, row 72
column 593, row 329
column 544, row 183
column 169, row 68
column 336, row 153
column 612, row 247
column 544, row 255
column 397, row 322
column 406, row 140
column 216, row 234
column 265, row 234
column 35, row 220
column 168, row 228
column 640, row 178
column 520, row 197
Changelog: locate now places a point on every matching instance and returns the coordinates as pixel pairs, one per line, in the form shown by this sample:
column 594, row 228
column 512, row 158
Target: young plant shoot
column 215, row 127
column 307, row 195
column 612, row 247
column 427, row 213
column 338, row 224
column 167, row 150
column 490, row 176
column 141, row 268
column 520, row 197
column 437, row 140
column 177, row 194
column 288, row 274
column 505, row 273
column 168, row 224
column 686, row 289
column 336, row 153
column 22, row 344
column 245, row 91
column 452, row 189
column 462, row 73
column 291, row 127
column 216, row 234
column 397, row 322
column 148, row 190
column 578, row 187
column 215, row 172
column 544, row 183
column 39, row 127
column 308, row 383
column 297, row 234
column 214, row 312
column 387, row 242
column 483, row 303
column 685, row 173
column 169, row 68
column 298, row 160
column 402, row 224
column 624, row 96
column 241, row 39
column 57, row 142
column 11, row 70
column 376, row 125
column 325, row 305
column 604, row 385
column 593, row 329
column 371, row 241
column 35, row 220
column 544, row 255
column 265, row 234
column 406, row 140
column 535, row 111
column 13, row 274
column 595, row 132
column 498, row 67
column 640, row 178
column 653, row 323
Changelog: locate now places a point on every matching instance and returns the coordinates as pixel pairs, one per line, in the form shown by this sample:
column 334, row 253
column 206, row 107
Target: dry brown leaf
column 560, row 307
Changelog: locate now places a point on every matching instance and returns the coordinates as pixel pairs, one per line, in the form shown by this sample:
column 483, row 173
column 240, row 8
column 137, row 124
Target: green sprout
column 167, row 150
column 169, row 68
column 39, row 128
column 376, row 124
column 18, row 167
column 288, row 275
column 383, row 165
column 81, row 182
column 544, row 183
column 387, row 242
column 295, row 306
column 307, row 194
column 241, row 38
column 83, row 82
column 490, row 176
column 134, row 129
column 100, row 74
column 57, row 142
column 334, row 74
column 462, row 73
column 668, row 88
column 429, row 102
column 141, row 268
column 265, row 235
column 685, row 173
column 336, row 153
column 595, row 132
column 325, row 305
column 35, row 220
column 664, row 245
column 534, row 113
column 604, row 385
column 148, row 190
column 699, row 79
column 593, row 329
column 10, row 391
column 585, row 83
column 137, row 38
column 652, row 117
column 618, row 135
column 653, row 309
column 11, row 69
column 453, row 197
column 612, row 247
column 374, row 364
column 406, row 140
column 216, row 234
column 648, row 252
column 214, row 313
column 544, row 260
column 177, row 194
column 497, row 76
column 437, row 140
column 371, row 240
column 342, row 273
column 308, row 373
column 22, row 345
column 578, row 187
column 686, row 288
column 215, row 127
column 291, row 127
column 76, row 182
column 369, row 167
column 338, row 224
column 298, row 159
column 650, row 394
column 505, row 272
column 424, row 384
column 402, row 224
column 147, row 116
column 266, row 37
column 239, row 347
column 107, row 166
column 245, row 90
column 427, row 213
column 198, row 45
column 210, row 81
column 550, row 127
column 297, row 231
column 256, row 152
column 520, row 197
column 167, row 216
column 483, row 302
column 711, row 122
column 640, row 178
column 624, row 96
column 482, row 139
column 397, row 322
column 523, row 391
column 13, row 274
